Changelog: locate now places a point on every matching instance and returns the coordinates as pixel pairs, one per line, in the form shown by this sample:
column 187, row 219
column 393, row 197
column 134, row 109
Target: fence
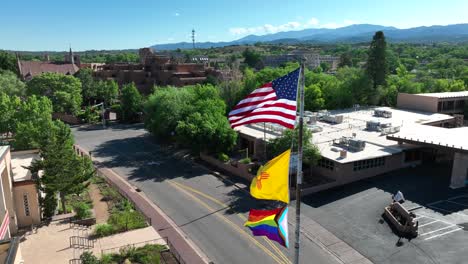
column 81, row 242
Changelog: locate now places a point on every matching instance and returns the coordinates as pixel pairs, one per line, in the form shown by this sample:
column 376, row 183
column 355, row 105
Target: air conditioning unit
column 334, row 119
column 382, row 113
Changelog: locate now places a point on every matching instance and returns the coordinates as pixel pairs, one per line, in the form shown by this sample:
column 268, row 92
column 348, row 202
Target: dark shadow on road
column 423, row 185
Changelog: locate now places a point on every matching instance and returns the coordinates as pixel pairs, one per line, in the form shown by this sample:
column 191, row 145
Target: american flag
column 273, row 102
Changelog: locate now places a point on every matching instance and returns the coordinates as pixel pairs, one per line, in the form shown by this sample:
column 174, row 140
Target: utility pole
column 299, row 164
column 193, row 38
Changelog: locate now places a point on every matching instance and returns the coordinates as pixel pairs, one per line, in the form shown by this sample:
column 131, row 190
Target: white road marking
column 443, row 228
column 448, row 232
column 457, row 203
column 419, row 217
column 429, row 223
column 448, row 223
column 452, row 212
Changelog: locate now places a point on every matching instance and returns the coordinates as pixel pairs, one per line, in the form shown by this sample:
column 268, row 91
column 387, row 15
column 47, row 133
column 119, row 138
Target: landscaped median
column 122, row 214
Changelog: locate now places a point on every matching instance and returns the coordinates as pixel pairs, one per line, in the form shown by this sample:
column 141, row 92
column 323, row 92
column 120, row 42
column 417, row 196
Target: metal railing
column 81, row 242
column 74, row 261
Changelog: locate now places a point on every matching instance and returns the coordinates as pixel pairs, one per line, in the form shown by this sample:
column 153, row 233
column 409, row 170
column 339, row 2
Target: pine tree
column 377, row 67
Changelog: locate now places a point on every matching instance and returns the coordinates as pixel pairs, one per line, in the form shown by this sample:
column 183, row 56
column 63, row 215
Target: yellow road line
column 237, row 228
column 209, row 197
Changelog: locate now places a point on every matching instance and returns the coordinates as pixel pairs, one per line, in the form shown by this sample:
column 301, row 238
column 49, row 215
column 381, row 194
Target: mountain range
column 350, row 34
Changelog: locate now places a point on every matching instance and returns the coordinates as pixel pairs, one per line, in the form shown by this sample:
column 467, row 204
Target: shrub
column 82, row 210
column 89, row 258
column 245, row 161
column 103, row 230
column 127, row 220
column 223, row 157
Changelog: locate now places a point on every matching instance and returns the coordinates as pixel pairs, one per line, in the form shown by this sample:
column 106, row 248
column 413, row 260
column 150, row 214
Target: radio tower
column 193, row 38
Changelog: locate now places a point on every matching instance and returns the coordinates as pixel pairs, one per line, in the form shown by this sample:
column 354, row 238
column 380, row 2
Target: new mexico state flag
column 272, row 180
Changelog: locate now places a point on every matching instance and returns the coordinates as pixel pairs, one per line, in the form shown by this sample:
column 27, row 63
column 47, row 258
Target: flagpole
column 299, row 164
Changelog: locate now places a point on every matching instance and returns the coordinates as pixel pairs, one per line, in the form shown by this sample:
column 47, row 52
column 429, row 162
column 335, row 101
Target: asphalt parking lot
column 354, row 214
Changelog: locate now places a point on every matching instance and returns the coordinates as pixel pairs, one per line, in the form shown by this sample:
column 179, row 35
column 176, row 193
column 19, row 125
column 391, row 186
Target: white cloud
column 170, row 39
column 176, row 14
column 294, row 25
column 312, row 22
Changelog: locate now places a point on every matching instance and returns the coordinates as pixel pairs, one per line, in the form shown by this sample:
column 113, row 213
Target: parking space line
column 429, row 223
column 448, row 223
column 448, row 232
column 459, row 196
column 447, row 227
column 419, row 217
column 436, row 202
column 452, row 212
column 462, row 204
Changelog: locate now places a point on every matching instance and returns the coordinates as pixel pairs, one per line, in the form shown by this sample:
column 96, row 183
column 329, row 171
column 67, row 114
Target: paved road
column 211, row 211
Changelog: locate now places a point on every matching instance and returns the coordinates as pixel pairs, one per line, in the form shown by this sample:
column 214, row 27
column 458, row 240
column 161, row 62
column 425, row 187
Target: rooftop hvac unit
column 372, row 125
column 382, row 113
column 315, row 128
column 356, row 144
column 390, row 130
column 334, row 119
column 351, row 143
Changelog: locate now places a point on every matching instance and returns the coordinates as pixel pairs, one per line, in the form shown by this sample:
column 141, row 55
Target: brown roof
column 30, row 69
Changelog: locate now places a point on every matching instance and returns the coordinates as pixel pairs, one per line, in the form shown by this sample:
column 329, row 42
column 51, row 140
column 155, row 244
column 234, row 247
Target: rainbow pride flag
column 270, row 223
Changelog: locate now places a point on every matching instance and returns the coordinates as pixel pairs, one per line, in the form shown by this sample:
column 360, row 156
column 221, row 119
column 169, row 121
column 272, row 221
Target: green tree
column 131, row 102
column 345, row 60
column 313, row 98
column 31, row 122
column 251, row 57
column 311, row 154
column 8, row 62
column 164, row 108
column 88, row 84
column 107, row 91
column 63, row 90
column 205, row 127
column 64, row 172
column 377, row 67
column 10, row 84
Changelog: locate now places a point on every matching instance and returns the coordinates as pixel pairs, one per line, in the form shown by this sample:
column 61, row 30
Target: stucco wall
column 417, row 102
column 8, row 193
column 33, row 200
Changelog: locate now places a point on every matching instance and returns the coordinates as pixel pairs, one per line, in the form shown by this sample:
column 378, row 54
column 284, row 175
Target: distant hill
column 350, row 34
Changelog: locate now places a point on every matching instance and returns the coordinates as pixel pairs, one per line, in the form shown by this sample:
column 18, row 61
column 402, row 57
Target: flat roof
column 354, row 126
column 20, row 160
column 446, row 94
column 454, row 138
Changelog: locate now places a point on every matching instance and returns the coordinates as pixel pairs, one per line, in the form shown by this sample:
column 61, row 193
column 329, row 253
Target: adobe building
column 446, row 103
column 28, row 69
column 19, row 199
column 359, row 143
column 156, row 70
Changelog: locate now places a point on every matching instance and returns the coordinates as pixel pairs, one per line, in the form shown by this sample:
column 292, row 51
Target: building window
column 369, row 163
column 26, row 204
column 326, row 163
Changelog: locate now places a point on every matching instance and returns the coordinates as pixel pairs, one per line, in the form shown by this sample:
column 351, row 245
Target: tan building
column 446, row 103
column 358, row 143
column 156, row 69
column 25, row 194
column 20, row 198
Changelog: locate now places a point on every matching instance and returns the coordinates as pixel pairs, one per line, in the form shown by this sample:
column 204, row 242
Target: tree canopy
column 10, row 84
column 63, row 90
column 377, row 67
column 8, row 62
column 131, row 102
column 193, row 116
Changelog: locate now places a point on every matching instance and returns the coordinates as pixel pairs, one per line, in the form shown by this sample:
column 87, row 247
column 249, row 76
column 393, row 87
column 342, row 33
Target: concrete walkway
column 50, row 244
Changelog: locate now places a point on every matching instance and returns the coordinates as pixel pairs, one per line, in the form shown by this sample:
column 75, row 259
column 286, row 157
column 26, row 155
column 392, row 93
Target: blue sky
column 122, row 24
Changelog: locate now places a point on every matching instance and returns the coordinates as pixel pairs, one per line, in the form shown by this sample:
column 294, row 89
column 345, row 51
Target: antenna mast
column 193, row 38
